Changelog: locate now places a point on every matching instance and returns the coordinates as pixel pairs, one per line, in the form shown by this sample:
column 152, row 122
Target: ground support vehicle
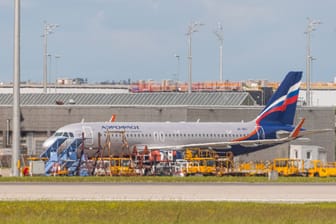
column 289, row 167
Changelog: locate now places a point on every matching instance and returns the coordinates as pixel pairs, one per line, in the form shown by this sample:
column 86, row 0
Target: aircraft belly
column 240, row 150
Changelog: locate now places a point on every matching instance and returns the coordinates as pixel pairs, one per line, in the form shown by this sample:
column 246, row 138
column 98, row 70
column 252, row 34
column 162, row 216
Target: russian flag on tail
column 282, row 105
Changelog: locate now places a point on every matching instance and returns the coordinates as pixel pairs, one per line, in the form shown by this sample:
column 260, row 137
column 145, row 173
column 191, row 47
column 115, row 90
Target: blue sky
column 105, row 40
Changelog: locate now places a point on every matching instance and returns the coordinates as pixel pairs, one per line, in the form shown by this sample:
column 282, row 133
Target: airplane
column 274, row 125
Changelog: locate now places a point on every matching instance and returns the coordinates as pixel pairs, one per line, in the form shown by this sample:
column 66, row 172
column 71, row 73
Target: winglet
column 296, row 131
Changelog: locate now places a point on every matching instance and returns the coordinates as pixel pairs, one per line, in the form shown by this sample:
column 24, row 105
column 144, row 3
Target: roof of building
column 134, row 99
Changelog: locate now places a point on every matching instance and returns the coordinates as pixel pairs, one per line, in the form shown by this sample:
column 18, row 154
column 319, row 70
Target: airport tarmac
column 268, row 192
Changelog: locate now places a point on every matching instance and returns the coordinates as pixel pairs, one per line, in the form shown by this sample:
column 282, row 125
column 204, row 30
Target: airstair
column 53, row 148
column 62, row 154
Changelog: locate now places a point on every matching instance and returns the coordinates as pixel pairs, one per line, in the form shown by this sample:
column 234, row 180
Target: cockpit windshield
column 64, row 134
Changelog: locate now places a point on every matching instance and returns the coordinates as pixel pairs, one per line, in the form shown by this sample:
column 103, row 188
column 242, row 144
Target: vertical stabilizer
column 282, row 105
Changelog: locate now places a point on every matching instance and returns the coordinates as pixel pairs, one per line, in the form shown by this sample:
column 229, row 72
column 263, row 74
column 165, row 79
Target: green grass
column 164, row 212
column 153, row 179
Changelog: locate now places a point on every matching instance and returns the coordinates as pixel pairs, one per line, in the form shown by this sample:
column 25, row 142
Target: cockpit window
column 64, row 134
column 58, row 134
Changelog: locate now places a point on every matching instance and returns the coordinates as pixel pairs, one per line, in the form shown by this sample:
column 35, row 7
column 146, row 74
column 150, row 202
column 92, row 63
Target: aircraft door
column 260, row 132
column 88, row 135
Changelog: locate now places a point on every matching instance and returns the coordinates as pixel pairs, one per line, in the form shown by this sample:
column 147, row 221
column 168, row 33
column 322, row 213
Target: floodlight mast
column 192, row 28
column 177, row 71
column 16, row 92
column 48, row 29
column 57, row 58
column 220, row 36
column 310, row 28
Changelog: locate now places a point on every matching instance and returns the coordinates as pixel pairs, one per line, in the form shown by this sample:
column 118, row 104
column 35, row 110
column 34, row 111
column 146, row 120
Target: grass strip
column 164, row 212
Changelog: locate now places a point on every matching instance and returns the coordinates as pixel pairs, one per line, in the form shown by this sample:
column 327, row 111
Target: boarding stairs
column 53, row 148
column 64, row 156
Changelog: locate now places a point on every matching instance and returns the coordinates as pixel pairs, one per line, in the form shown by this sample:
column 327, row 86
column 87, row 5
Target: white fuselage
column 154, row 134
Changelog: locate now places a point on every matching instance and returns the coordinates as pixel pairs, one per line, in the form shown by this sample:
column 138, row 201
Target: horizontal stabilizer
column 297, row 129
column 314, row 131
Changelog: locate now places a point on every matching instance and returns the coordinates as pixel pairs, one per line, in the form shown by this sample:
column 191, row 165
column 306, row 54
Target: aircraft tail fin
column 282, row 105
column 113, row 118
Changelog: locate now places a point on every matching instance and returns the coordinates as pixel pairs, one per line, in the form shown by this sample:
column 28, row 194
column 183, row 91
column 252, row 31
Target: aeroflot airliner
column 274, row 125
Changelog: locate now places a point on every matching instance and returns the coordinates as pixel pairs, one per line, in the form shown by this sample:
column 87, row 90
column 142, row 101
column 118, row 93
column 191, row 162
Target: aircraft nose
column 47, row 143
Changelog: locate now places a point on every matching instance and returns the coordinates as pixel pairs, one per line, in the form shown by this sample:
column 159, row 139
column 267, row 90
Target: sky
column 105, row 40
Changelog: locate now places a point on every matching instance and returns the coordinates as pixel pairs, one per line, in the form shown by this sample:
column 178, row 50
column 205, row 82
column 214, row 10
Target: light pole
column 178, row 70
column 312, row 59
column 310, row 28
column 57, row 57
column 49, row 75
column 191, row 29
column 16, row 92
column 48, row 29
column 219, row 34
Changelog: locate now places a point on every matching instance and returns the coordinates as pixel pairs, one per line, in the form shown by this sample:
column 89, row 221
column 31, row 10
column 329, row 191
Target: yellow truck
column 289, row 167
column 316, row 168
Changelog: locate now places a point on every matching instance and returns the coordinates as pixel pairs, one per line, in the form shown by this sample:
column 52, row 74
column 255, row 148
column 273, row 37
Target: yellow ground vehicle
column 288, row 167
column 319, row 169
column 224, row 166
column 254, row 168
column 200, row 161
column 316, row 169
column 201, row 166
column 331, row 169
column 121, row 167
column 192, row 168
column 207, row 166
column 192, row 153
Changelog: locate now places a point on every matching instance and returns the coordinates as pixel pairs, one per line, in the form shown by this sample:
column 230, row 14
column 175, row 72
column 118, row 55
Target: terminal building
column 43, row 113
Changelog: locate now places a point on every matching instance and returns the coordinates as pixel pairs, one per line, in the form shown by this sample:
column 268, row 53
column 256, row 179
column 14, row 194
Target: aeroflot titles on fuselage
column 120, row 127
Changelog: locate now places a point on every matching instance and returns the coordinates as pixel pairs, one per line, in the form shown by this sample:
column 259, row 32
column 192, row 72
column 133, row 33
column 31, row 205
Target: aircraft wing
column 225, row 145
column 296, row 133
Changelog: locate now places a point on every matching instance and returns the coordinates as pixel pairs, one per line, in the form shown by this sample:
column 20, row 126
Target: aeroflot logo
column 120, row 127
